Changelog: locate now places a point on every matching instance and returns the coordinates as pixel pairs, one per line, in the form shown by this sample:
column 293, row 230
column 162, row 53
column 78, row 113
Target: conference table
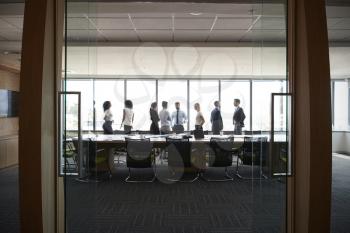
column 118, row 141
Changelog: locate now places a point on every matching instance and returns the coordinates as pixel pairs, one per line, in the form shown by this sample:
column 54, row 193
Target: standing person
column 178, row 119
column 165, row 120
column 154, row 129
column 216, row 119
column 199, row 117
column 128, row 116
column 108, row 118
column 238, row 117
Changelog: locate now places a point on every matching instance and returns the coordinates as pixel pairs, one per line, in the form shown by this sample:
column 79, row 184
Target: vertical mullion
column 251, row 103
column 93, row 106
column 157, row 92
column 188, row 104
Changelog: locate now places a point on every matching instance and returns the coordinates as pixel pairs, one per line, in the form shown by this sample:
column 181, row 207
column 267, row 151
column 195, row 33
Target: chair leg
column 129, row 180
column 197, row 175
column 228, row 177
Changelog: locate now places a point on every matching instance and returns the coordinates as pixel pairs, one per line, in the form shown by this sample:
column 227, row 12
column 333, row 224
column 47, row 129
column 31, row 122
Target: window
column 87, row 99
column 262, row 103
column 113, row 91
column 173, row 91
column 142, row 94
column 341, row 105
column 231, row 90
column 204, row 93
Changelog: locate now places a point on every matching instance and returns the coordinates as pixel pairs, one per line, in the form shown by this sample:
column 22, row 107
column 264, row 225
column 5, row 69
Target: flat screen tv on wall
column 9, row 103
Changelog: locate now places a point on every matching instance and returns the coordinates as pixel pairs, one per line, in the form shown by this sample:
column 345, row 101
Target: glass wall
column 108, row 90
column 231, row 90
column 204, row 93
column 341, row 96
column 143, row 92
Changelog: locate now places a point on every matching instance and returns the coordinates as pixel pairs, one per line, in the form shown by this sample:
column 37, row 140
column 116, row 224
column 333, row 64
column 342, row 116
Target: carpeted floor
column 240, row 206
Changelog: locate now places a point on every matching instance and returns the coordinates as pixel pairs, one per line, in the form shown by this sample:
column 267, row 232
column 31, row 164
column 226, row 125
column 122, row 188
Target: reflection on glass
column 142, row 94
column 231, row 90
column 204, row 93
column 113, row 91
column 86, row 89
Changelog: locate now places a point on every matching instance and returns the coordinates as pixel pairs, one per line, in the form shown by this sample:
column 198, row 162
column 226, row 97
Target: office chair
column 179, row 158
column 252, row 153
column 94, row 162
column 139, row 155
column 220, row 155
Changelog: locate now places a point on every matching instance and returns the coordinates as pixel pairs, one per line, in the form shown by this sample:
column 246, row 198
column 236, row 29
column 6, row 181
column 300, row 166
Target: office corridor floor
column 237, row 207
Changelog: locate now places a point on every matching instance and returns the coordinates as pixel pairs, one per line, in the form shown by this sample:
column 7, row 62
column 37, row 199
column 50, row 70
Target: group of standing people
column 173, row 122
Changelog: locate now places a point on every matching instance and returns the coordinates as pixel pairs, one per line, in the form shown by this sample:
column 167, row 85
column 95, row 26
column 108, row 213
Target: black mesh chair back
column 253, row 148
column 139, row 153
column 221, row 152
column 179, row 152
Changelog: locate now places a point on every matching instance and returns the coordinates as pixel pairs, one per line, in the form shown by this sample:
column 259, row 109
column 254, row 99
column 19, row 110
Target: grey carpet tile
column 229, row 207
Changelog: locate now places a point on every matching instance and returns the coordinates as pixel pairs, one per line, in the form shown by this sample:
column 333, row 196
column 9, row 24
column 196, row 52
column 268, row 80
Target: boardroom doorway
column 182, row 52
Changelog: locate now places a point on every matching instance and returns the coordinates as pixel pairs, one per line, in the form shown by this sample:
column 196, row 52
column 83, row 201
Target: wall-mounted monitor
column 9, row 103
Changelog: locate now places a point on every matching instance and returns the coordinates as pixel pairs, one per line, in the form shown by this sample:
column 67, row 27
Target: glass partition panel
column 85, row 87
column 204, row 93
column 113, row 91
column 172, row 92
column 142, row 94
column 231, row 90
column 341, row 106
column 261, row 103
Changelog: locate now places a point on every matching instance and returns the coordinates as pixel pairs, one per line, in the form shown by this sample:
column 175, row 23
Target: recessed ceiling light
column 6, row 52
column 196, row 13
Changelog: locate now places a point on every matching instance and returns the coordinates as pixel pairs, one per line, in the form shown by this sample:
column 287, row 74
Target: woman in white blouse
column 128, row 116
column 108, row 118
column 199, row 117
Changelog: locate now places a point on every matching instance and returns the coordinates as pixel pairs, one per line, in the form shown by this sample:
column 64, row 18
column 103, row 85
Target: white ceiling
column 105, row 23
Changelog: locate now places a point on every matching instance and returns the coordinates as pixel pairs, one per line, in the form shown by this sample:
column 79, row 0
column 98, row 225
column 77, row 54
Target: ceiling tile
column 112, row 23
column 153, row 23
column 151, row 15
column 338, row 35
column 6, row 25
column 79, row 24
column 343, row 23
column 233, row 23
column 155, row 35
column 84, row 36
column 270, row 23
column 14, row 35
column 120, row 35
column 193, row 23
column 15, row 21
column 191, row 35
column 265, row 36
column 226, row 35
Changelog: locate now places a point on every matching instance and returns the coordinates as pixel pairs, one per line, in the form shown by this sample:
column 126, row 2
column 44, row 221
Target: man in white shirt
column 178, row 119
column 165, row 120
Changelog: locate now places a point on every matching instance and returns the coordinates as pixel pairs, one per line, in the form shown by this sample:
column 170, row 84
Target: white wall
column 178, row 59
column 190, row 59
column 341, row 142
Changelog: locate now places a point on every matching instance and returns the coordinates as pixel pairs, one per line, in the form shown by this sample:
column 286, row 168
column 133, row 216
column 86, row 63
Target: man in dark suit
column 216, row 119
column 238, row 117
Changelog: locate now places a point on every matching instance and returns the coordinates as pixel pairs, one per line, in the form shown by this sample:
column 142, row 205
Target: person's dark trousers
column 154, row 129
column 178, row 129
column 127, row 129
column 198, row 127
column 238, row 130
column 107, row 127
